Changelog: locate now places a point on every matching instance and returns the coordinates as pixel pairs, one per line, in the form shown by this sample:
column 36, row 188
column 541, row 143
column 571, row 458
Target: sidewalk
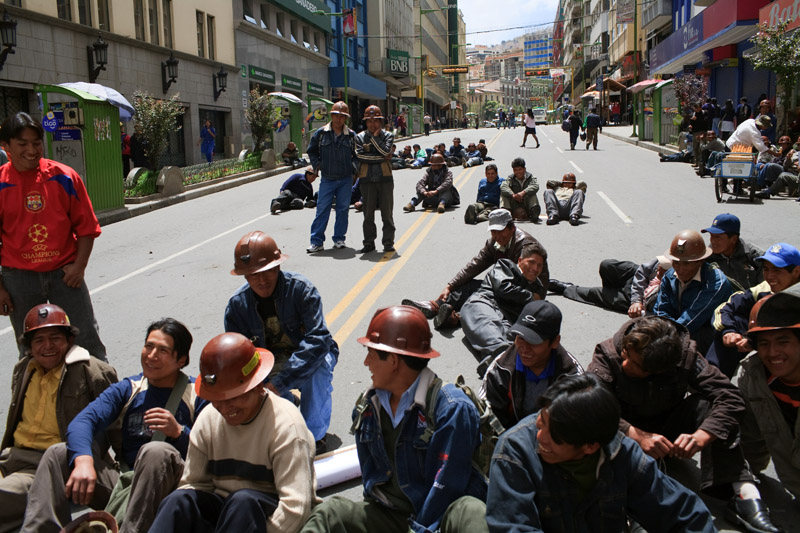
column 623, row 133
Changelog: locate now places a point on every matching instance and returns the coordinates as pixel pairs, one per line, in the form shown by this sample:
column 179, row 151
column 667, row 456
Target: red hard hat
column 256, row 252
column 688, row 245
column 45, row 316
column 401, row 329
column 231, row 365
column 340, row 108
column 373, row 111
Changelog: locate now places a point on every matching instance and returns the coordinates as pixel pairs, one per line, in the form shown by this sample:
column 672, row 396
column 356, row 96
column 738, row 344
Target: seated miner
column 674, row 404
column 296, row 192
column 626, row 287
column 519, row 376
column 692, row 289
column 488, row 314
column 564, row 200
column 506, row 242
column 435, row 189
column 50, row 385
column 518, row 193
column 488, row 198
column 735, row 257
column 282, row 312
column 415, row 447
column 250, row 464
column 781, row 267
column 291, row 156
column 768, row 381
column 156, row 410
column 568, row 468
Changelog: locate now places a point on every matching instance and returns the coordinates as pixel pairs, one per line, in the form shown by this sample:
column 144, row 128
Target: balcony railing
column 656, row 14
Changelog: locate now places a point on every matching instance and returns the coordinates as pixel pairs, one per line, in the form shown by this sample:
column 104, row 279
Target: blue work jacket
column 299, row 309
column 333, row 154
column 696, row 306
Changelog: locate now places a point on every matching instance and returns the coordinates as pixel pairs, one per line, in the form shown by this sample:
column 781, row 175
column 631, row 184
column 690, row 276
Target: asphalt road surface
column 176, row 261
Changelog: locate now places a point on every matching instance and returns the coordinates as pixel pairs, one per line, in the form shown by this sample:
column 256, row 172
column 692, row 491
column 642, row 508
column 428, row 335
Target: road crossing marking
column 625, row 218
column 560, row 151
column 576, row 167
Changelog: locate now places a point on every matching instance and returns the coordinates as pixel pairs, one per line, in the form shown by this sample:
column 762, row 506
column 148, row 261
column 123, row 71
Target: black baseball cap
column 538, row 322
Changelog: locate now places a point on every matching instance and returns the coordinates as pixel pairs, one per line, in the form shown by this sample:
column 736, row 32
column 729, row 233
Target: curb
column 665, row 149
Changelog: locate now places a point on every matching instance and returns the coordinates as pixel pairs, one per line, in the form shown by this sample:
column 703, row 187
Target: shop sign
column 288, row 82
column 780, row 11
column 313, row 88
column 305, row 9
column 398, row 63
column 261, row 74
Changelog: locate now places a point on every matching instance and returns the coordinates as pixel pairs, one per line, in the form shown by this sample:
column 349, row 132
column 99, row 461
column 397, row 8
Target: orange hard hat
column 401, row 329
column 231, row 365
column 256, row 252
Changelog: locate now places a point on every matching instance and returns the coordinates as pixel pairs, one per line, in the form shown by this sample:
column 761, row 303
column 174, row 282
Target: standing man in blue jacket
column 691, row 290
column 154, row 440
column 332, row 151
column 282, row 312
column 418, row 473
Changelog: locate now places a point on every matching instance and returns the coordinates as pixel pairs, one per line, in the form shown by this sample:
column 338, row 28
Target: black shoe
column 274, row 208
column 762, row 194
column 752, row 515
column 366, row 249
column 552, row 220
column 538, row 145
column 574, row 220
column 471, row 215
column 389, row 248
column 429, row 308
column 534, row 213
column 322, row 445
column 483, row 366
column 445, row 318
column 557, row 287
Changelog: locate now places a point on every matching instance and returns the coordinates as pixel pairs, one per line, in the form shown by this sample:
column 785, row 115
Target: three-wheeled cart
column 740, row 168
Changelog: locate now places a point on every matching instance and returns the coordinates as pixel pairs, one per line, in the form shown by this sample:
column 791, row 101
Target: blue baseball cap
column 724, row 223
column 781, row 255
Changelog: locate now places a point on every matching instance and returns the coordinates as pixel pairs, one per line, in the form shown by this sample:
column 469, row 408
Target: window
column 64, row 8
column 166, row 12
column 102, row 15
column 17, row 3
column 264, row 17
column 247, row 12
column 211, row 40
column 85, row 12
column 152, row 13
column 293, row 31
column 201, row 34
column 279, row 19
column 138, row 18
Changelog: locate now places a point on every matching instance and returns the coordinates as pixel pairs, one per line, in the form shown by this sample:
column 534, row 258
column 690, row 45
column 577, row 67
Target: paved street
column 176, row 261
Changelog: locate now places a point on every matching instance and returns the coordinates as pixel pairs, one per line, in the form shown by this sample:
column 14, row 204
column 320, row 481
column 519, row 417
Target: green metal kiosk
column 290, row 127
column 318, row 115
column 82, row 131
column 414, row 119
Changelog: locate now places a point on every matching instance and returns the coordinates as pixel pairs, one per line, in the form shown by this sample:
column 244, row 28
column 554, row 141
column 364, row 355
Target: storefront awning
column 590, row 94
column 641, row 86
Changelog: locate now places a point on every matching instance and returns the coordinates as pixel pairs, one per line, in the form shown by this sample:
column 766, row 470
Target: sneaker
column 339, row 245
column 409, row 208
column 441, row 208
column 471, row 215
column 464, row 164
column 314, row 248
column 751, row 514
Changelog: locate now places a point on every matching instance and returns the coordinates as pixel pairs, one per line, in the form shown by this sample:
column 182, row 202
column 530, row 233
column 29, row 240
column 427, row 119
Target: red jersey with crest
column 42, row 214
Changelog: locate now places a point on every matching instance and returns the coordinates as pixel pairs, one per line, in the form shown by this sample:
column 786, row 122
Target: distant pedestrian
column 208, row 137
column 575, row 127
column 592, row 125
column 426, row 123
column 530, row 128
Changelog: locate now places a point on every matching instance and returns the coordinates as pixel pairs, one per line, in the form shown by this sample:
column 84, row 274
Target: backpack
column 566, row 125
column 490, row 427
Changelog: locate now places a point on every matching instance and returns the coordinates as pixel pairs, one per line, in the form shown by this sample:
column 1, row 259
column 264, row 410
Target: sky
column 482, row 15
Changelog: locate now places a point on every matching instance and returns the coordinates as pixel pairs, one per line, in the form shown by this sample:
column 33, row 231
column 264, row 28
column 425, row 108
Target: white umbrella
column 107, row 94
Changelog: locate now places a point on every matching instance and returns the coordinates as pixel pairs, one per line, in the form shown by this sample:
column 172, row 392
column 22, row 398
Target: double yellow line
column 426, row 222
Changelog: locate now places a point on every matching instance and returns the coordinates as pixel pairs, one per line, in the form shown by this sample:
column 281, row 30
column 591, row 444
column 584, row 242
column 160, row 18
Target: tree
column 779, row 52
column 157, row 118
column 261, row 114
column 690, row 90
column 490, row 108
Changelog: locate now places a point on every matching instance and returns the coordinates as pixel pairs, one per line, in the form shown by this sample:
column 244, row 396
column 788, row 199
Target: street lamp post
column 341, row 43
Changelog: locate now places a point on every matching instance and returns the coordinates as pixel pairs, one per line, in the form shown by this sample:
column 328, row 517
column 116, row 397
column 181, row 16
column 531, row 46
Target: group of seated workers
column 415, row 156
column 579, row 450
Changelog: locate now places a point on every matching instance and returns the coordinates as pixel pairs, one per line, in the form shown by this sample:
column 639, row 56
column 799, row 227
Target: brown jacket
column 83, row 379
column 490, row 254
column 651, row 398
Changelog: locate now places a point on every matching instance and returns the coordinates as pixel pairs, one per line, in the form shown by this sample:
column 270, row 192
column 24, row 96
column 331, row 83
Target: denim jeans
column 315, row 398
column 328, row 190
column 29, row 289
